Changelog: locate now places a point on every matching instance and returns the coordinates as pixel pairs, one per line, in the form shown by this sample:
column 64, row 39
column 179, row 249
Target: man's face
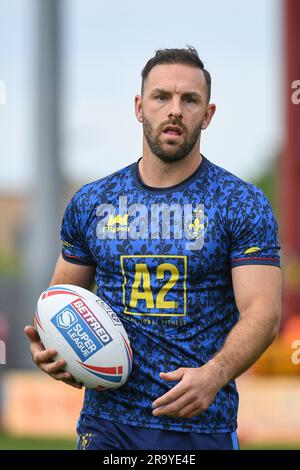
column 173, row 110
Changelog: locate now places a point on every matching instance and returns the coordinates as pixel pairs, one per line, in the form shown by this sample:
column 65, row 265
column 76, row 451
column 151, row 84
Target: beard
column 177, row 151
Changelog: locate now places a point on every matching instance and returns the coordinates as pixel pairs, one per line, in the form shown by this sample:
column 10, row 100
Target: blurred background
column 69, row 71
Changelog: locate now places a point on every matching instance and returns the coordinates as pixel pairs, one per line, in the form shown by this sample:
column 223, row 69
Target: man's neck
column 159, row 174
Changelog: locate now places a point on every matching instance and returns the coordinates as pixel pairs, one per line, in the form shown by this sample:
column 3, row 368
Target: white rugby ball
column 86, row 333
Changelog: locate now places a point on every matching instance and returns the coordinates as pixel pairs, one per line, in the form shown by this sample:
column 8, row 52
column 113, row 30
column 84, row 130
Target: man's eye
column 161, row 98
column 190, row 100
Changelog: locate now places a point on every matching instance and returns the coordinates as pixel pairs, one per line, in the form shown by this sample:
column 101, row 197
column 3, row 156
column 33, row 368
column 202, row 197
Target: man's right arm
column 64, row 273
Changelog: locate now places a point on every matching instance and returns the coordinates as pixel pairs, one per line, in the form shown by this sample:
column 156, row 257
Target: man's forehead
column 180, row 76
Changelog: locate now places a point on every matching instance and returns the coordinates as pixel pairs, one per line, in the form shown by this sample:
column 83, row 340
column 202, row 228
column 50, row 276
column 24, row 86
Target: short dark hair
column 186, row 56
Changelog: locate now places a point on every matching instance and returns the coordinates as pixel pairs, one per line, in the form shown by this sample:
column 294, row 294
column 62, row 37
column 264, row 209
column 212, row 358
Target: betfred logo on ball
column 81, row 329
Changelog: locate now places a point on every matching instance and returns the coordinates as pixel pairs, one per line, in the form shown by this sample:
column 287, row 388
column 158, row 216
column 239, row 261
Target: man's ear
column 211, row 109
column 138, row 108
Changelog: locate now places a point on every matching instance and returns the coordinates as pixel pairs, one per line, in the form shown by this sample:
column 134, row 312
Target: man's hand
column 193, row 394
column 64, row 273
column 43, row 358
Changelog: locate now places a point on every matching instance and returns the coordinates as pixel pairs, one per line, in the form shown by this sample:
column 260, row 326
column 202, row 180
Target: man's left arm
column 257, row 290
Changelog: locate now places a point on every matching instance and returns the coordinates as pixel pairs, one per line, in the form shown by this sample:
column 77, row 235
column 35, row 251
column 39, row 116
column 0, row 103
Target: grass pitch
column 8, row 442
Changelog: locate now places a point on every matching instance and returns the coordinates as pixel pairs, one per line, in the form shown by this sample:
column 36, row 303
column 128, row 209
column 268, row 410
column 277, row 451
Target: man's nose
column 175, row 108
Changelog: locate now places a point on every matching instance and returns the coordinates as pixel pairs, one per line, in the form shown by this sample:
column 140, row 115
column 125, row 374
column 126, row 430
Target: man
column 187, row 255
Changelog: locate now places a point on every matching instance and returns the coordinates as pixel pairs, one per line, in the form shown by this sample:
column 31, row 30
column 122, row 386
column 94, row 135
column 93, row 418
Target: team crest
column 196, row 229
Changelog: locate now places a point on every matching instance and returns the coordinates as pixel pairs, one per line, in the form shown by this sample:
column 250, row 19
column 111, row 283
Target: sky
column 105, row 46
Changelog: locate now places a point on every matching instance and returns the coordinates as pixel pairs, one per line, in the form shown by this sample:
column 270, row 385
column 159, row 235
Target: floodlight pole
column 46, row 199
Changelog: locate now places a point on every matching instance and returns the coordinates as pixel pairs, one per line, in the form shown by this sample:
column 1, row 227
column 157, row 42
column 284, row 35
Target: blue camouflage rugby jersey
column 163, row 260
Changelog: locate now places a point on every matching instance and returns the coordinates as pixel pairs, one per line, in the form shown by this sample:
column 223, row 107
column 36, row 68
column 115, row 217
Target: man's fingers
column 43, row 358
column 36, row 348
column 61, row 375
column 172, row 395
column 172, row 376
column 72, row 382
column 174, row 407
column 40, row 356
column 32, row 333
column 53, row 367
column 34, row 338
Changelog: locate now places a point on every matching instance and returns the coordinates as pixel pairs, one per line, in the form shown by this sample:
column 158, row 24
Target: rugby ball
column 86, row 333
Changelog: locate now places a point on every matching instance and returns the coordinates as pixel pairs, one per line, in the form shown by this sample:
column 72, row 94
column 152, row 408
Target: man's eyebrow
column 193, row 94
column 159, row 90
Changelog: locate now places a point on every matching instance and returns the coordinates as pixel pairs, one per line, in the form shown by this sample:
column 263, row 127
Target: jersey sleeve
column 254, row 230
column 74, row 247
